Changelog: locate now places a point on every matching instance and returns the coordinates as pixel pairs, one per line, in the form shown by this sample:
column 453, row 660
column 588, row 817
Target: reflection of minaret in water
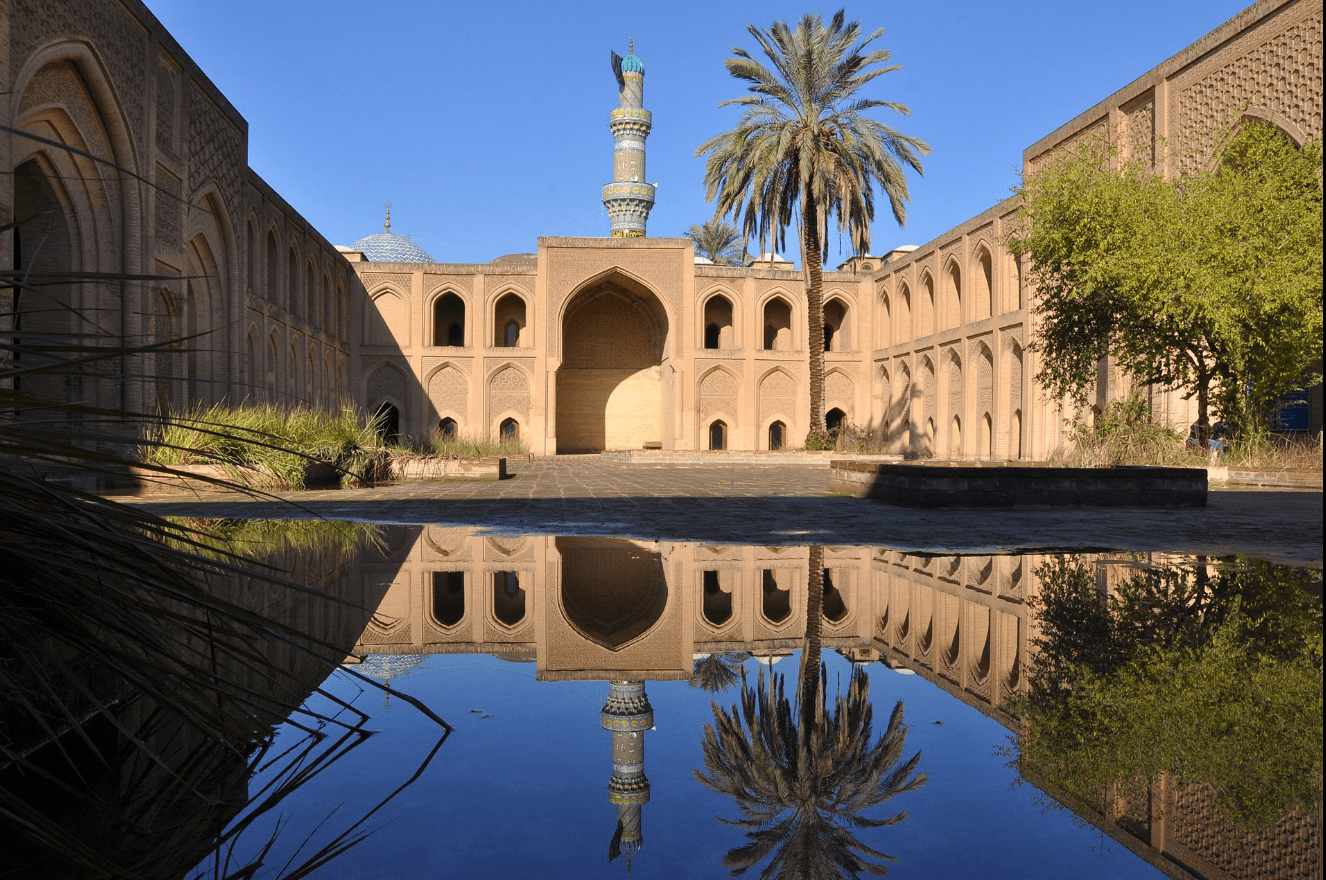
column 628, row 715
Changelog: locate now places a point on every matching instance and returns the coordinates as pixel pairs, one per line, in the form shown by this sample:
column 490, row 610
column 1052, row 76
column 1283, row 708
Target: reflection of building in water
column 627, row 714
column 963, row 624
column 607, row 608
column 628, row 611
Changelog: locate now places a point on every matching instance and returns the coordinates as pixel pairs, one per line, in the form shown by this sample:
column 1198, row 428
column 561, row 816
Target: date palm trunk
column 814, row 272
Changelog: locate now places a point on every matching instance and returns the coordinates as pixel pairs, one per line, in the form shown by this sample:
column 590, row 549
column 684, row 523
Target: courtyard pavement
column 784, row 505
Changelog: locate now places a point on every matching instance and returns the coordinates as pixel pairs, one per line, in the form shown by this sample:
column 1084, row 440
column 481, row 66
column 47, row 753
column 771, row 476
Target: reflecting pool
column 592, row 707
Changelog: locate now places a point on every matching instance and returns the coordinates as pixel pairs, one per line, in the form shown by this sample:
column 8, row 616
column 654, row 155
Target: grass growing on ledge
column 1124, row 434
column 266, row 438
column 470, row 448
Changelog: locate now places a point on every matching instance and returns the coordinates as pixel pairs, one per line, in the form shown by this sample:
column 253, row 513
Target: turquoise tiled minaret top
column 629, row 197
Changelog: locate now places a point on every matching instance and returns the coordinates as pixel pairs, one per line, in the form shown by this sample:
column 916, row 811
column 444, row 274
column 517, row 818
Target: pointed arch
column 951, row 311
column 983, row 291
column 719, row 320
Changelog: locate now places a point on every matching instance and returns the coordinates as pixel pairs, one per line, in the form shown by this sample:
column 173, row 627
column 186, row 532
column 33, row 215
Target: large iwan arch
column 611, row 392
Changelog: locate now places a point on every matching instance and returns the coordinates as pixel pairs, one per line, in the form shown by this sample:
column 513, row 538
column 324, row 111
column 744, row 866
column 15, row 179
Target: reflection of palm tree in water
column 804, row 780
column 718, row 672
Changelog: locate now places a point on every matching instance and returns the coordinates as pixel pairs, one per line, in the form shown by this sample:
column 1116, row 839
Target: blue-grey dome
column 387, row 247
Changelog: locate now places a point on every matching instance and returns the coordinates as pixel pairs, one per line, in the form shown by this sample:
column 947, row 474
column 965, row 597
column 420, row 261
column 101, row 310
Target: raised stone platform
column 1005, row 485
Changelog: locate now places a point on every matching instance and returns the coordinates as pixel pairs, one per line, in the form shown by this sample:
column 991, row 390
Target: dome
column 387, row 247
column 631, row 62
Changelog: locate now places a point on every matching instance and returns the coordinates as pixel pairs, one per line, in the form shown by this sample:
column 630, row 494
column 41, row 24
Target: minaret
column 628, row 198
column 628, row 715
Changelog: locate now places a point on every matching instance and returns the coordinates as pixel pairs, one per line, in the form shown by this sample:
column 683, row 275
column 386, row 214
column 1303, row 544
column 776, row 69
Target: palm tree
column 718, row 241
column 803, row 779
column 804, row 150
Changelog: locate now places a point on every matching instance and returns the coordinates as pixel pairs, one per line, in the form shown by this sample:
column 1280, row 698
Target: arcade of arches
column 583, row 344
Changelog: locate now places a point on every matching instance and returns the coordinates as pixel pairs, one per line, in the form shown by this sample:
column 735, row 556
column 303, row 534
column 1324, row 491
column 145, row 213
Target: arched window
column 273, row 278
column 387, row 422
column 952, row 305
column 717, row 600
column 833, row 419
column 834, row 606
column 448, row 597
column 718, row 436
column 449, row 320
column 250, row 246
column 508, row 598
column 292, row 303
column 776, row 602
column 509, row 431
column 446, row 428
column 508, row 320
column 836, row 337
column 718, row 323
column 777, row 325
column 955, row 438
column 777, row 431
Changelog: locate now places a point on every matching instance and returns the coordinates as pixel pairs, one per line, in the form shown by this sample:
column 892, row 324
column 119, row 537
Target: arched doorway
column 718, row 436
column 387, row 421
column 610, row 388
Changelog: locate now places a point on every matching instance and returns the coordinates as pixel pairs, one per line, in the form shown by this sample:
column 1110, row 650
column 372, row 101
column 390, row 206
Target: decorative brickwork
column 448, row 391
column 120, row 41
column 387, row 381
column 509, row 392
column 718, row 394
column 778, row 396
column 1140, row 131
column 167, row 107
column 839, row 390
column 169, row 210
column 215, row 148
column 1284, row 75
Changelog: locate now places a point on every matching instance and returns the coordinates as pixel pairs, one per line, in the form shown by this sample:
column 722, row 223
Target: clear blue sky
column 485, row 125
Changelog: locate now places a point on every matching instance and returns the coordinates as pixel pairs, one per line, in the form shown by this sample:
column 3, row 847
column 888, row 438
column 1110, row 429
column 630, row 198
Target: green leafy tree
column 719, row 241
column 804, row 150
column 1211, row 281
column 804, row 777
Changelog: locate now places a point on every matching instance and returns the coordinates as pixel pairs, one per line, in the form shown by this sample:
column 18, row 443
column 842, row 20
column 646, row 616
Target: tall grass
column 267, row 438
column 470, row 448
column 1125, row 434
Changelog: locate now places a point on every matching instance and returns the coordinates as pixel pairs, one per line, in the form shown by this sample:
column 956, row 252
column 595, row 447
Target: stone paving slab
column 786, row 505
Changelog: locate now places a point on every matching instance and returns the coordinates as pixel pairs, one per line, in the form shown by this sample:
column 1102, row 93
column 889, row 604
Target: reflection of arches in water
column 717, row 600
column 387, row 421
column 448, row 597
column 834, row 605
column 508, row 598
column 777, row 602
column 613, row 591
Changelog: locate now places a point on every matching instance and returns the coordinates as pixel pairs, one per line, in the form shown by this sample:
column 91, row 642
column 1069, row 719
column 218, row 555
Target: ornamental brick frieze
column 215, row 148
column 1282, row 75
column 120, row 41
